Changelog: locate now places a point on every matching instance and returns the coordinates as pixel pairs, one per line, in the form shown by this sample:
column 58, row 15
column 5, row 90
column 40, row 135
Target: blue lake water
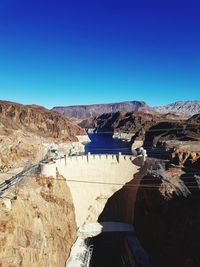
column 105, row 144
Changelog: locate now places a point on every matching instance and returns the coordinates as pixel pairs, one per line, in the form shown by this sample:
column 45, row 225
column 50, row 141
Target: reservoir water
column 105, row 144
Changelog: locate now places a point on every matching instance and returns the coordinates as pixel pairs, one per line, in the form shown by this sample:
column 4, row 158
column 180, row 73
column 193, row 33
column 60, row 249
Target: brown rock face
column 40, row 227
column 38, row 120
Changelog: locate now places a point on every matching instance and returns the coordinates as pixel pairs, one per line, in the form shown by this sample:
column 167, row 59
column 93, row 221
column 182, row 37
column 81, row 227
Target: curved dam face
column 92, row 180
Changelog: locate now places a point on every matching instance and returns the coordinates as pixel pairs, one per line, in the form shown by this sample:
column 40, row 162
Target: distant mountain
column 184, row 108
column 88, row 111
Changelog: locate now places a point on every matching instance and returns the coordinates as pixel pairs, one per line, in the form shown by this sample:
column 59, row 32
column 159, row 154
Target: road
column 16, row 178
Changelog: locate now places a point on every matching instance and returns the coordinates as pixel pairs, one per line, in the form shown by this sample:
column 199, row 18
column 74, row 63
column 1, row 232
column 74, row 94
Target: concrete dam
column 93, row 180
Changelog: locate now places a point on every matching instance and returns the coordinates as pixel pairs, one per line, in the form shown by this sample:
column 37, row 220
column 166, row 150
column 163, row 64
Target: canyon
column 81, row 208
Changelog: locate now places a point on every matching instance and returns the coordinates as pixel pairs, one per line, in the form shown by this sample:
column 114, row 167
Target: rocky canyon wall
column 37, row 223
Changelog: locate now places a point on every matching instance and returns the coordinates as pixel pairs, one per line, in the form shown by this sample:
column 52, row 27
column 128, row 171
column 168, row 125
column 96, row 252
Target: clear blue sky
column 65, row 52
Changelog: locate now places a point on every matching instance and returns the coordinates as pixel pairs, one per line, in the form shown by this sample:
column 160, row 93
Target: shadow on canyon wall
column 169, row 230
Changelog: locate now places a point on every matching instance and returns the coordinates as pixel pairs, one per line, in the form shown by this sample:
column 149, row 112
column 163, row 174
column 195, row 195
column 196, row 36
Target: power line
column 118, row 184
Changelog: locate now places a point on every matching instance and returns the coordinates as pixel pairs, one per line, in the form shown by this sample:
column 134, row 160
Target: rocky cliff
column 37, row 223
column 87, row 111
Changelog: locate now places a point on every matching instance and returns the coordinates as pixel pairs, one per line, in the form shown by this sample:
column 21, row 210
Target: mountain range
column 183, row 108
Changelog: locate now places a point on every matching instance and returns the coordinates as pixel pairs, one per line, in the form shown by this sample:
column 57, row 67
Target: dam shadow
column 120, row 208
column 168, row 230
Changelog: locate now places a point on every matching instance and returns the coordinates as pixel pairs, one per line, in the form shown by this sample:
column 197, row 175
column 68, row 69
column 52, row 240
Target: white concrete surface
column 80, row 249
column 92, row 180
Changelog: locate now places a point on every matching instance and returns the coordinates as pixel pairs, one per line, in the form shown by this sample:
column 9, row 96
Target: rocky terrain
column 91, row 111
column 184, row 108
column 27, row 132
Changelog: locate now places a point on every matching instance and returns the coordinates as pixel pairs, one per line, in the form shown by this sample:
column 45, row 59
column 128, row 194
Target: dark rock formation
column 130, row 122
column 177, row 141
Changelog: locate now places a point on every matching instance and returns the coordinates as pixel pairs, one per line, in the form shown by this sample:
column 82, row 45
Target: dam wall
column 92, row 180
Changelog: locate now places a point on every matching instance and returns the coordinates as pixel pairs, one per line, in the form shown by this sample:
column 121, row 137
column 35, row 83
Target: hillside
column 38, row 120
column 27, row 132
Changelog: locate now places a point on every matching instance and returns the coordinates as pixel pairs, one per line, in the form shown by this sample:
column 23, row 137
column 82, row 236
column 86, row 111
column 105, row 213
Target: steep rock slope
column 87, row 111
column 37, row 223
